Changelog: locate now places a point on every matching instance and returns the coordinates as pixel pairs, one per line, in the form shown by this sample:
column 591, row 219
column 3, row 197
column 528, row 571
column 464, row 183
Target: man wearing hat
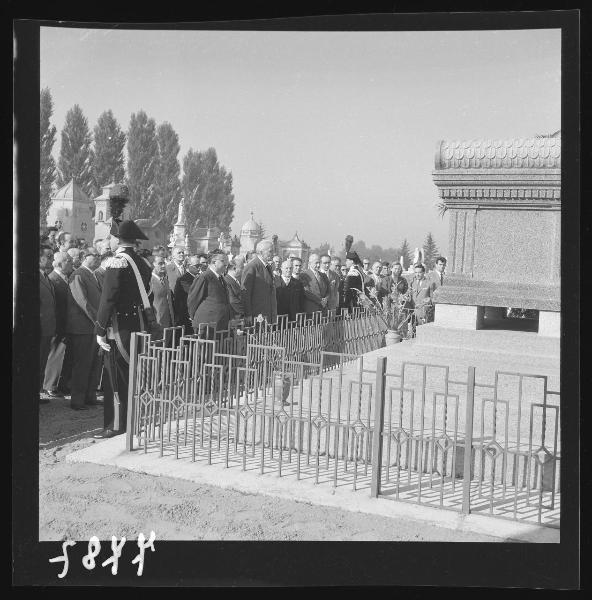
column 121, row 312
column 355, row 278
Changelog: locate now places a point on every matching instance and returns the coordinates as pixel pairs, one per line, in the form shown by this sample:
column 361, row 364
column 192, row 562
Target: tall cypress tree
column 47, row 166
column 167, row 185
column 107, row 152
column 405, row 252
column 430, row 252
column 207, row 188
column 74, row 161
column 142, row 160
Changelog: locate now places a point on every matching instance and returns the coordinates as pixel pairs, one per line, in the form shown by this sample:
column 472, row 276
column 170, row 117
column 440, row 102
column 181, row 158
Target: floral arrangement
column 392, row 310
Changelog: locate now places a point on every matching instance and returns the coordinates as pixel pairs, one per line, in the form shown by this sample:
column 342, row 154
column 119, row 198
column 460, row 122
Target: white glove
column 102, row 342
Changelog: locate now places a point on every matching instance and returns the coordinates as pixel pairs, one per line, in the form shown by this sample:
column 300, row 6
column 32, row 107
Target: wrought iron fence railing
column 295, row 407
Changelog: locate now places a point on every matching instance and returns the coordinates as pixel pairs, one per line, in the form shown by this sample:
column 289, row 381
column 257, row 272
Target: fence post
column 131, row 407
column 378, row 426
column 468, row 454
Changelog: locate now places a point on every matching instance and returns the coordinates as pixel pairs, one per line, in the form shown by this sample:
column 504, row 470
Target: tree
column 167, row 185
column 47, row 166
column 430, row 252
column 107, row 153
column 142, row 160
column 322, row 249
column 207, row 188
column 405, row 252
column 74, row 161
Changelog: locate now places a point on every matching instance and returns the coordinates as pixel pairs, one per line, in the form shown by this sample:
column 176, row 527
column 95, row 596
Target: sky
column 326, row 133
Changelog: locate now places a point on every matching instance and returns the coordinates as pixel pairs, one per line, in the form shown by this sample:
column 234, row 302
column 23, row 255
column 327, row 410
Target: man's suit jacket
column 236, row 296
column 62, row 291
column 83, row 302
column 180, row 293
column 421, row 292
column 333, row 297
column 290, row 298
column 208, row 301
column 47, row 307
column 314, row 290
column 173, row 274
column 258, row 284
column 162, row 300
column 434, row 278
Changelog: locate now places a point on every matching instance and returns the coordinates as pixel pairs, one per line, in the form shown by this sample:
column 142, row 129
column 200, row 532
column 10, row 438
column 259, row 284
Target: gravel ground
column 80, row 500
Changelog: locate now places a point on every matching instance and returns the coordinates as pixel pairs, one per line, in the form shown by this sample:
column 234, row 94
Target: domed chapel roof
column 251, row 227
column 71, row 191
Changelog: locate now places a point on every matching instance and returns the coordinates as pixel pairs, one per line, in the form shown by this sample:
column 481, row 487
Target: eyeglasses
column 325, row 263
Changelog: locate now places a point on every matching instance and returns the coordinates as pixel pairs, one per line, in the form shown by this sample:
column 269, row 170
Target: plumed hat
column 127, row 230
column 351, row 254
column 118, row 198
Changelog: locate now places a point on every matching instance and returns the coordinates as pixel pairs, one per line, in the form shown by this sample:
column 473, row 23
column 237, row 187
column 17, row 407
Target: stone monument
column 178, row 236
column 503, row 198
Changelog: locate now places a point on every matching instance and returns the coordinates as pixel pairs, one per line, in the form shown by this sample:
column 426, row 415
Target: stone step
column 520, row 343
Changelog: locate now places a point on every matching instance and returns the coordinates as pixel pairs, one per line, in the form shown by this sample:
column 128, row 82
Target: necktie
column 269, row 270
column 222, row 282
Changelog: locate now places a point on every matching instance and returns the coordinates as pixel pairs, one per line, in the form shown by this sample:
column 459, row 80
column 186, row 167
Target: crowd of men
column 81, row 288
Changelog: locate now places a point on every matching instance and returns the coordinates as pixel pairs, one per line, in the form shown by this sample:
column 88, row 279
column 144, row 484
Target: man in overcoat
column 290, row 293
column 316, row 286
column 207, row 301
column 258, row 283
column 160, row 294
column 56, row 363
column 83, row 304
column 47, row 313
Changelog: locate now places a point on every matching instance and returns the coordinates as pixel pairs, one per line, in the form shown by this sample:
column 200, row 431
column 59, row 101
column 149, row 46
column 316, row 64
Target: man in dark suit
column 59, row 277
column 47, row 315
column 181, row 291
column 421, row 295
column 334, row 281
column 160, row 295
column 120, row 311
column 83, row 304
column 176, row 268
column 235, row 291
column 316, row 286
column 208, row 301
column 257, row 281
column 436, row 277
column 290, row 293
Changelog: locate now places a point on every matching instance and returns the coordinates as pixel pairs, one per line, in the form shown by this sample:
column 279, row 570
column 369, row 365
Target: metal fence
column 298, row 408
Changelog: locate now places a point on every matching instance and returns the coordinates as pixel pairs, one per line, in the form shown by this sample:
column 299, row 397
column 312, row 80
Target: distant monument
column 178, row 236
column 503, row 198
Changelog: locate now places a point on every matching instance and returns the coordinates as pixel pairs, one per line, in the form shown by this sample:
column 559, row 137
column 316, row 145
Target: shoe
column 43, row 401
column 107, row 433
column 54, row 394
column 78, row 407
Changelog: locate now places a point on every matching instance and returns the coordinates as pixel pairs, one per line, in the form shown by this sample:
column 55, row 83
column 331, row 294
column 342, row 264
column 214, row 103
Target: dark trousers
column 54, row 362
column 85, row 368
column 122, row 376
column 44, row 346
column 64, row 382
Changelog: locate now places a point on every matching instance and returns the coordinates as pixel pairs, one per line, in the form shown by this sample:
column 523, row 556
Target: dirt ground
column 77, row 501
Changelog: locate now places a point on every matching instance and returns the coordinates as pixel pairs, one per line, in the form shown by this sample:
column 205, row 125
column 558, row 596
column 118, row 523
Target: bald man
column 258, row 284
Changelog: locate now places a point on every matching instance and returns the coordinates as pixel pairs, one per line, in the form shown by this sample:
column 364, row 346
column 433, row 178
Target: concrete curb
column 112, row 452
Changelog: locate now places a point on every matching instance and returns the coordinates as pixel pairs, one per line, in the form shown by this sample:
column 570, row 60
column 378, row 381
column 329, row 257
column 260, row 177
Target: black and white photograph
column 298, row 285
